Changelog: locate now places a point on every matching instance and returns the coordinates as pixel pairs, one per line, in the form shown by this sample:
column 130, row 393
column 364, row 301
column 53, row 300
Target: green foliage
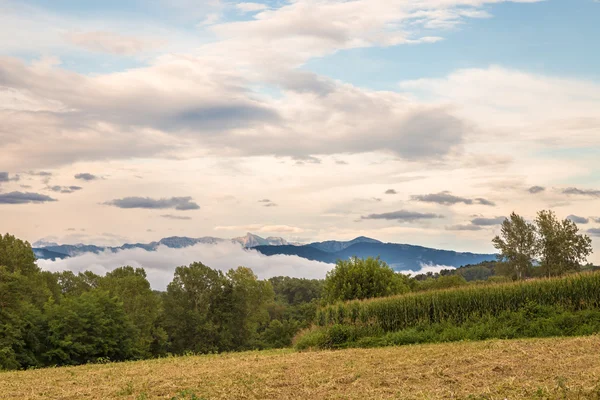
column 207, row 311
column 142, row 306
column 573, row 292
column 17, row 256
column 294, row 291
column 23, row 292
column 442, row 282
column 517, row 244
column 362, row 279
column 557, row 244
column 88, row 327
column 531, row 321
column 561, row 248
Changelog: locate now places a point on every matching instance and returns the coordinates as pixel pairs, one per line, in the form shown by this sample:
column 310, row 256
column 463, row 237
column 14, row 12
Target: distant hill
column 398, row 256
column 50, row 250
column 331, row 246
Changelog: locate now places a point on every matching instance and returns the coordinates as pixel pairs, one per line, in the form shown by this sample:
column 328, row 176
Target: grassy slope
column 535, row 368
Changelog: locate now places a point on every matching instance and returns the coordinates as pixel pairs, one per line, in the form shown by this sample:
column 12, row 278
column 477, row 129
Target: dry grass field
column 563, row 368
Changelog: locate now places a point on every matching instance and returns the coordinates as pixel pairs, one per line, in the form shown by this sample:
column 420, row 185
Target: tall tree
column 23, row 292
column 193, row 304
column 561, row 247
column 142, row 306
column 517, row 244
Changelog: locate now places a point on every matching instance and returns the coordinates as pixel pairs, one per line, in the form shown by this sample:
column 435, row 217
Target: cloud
column 596, row 220
column 177, row 203
column 403, row 216
column 160, row 264
column 447, row 199
column 536, row 189
column 391, row 191
column 111, row 42
column 176, row 217
column 480, row 221
column 578, row 220
column 86, row 177
column 64, row 189
column 267, row 203
column 301, row 160
column 5, row 177
column 40, row 173
column 582, row 192
column 594, row 232
column 207, row 106
column 466, row 227
column 250, row 7
column 24, row 198
column 261, row 228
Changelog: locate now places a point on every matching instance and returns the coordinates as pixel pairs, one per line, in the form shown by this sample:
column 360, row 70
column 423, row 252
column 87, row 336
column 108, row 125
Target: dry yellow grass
column 565, row 368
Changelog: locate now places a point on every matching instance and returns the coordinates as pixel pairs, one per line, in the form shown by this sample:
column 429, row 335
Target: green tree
column 23, row 292
column 249, row 299
column 517, row 244
column 142, row 306
column 561, row 248
column 358, row 278
column 17, row 256
column 75, row 285
column 87, row 328
column 193, row 309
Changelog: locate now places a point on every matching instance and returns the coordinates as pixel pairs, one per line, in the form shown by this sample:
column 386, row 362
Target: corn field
column 573, row 292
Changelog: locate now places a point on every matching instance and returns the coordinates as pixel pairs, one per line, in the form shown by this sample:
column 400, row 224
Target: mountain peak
column 331, row 246
column 252, row 240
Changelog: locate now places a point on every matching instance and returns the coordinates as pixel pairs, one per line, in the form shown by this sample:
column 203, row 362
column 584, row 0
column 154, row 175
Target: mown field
column 557, row 368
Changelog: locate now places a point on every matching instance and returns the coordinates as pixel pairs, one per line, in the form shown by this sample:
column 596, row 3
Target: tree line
column 63, row 318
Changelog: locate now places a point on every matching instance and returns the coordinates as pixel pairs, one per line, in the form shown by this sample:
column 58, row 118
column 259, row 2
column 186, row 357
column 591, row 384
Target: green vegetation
column 362, row 279
column 543, row 307
column 57, row 319
column 557, row 244
column 49, row 319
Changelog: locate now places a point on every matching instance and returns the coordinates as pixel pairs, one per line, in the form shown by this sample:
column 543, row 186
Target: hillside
column 519, row 369
column 398, row 256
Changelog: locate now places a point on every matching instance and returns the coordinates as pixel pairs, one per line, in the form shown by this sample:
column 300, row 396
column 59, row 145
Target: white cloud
column 250, row 7
column 110, row 42
column 160, row 264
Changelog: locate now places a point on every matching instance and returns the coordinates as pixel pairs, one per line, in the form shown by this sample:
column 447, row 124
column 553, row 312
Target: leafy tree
column 561, row 248
column 358, row 278
column 75, row 285
column 517, row 244
column 87, row 328
column 142, row 306
column 295, row 291
column 194, row 307
column 249, row 298
column 17, row 256
column 23, row 292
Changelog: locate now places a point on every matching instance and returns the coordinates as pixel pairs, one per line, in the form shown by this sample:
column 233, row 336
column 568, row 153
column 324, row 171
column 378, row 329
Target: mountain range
column 398, row 256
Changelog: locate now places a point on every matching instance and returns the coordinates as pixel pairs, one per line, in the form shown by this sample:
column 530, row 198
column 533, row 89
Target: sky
column 410, row 121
